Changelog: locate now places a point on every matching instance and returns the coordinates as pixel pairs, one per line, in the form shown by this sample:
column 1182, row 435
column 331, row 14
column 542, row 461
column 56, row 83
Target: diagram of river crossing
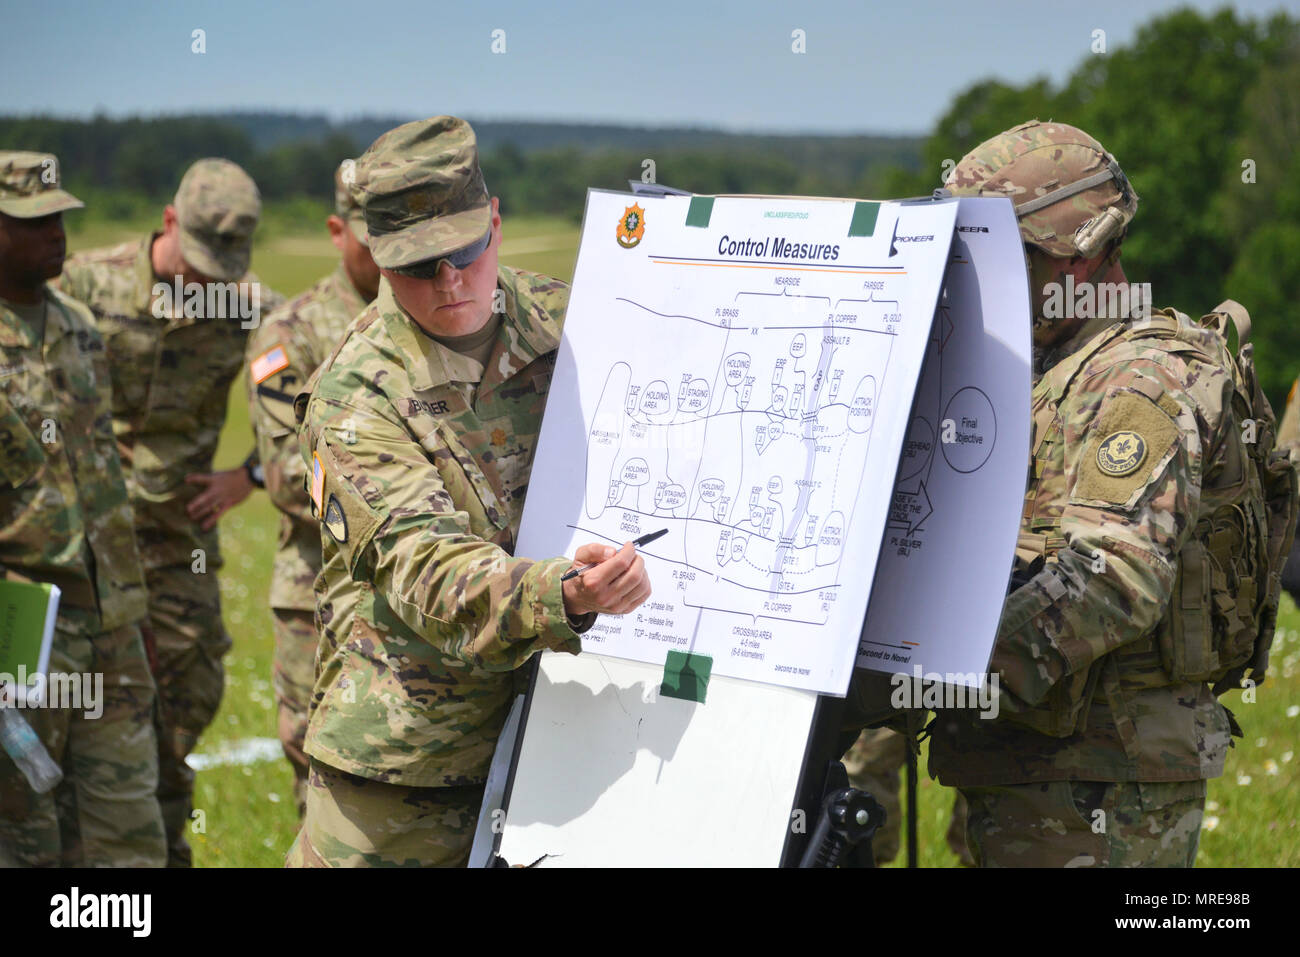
column 758, row 419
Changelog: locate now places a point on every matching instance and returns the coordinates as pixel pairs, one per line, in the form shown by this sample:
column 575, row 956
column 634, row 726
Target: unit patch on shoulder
column 335, row 520
column 268, row 364
column 1120, row 453
column 1130, row 445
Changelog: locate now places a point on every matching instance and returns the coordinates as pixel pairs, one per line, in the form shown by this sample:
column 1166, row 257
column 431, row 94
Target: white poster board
column 612, row 773
column 952, row 529
column 739, row 371
column 756, row 407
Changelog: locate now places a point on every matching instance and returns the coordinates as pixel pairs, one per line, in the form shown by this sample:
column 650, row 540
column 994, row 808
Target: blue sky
column 869, row 67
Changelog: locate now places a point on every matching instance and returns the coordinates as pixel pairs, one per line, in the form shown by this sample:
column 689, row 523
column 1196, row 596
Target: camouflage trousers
column 357, row 822
column 189, row 640
column 294, row 673
column 1086, row 824
column 873, row 763
column 105, row 811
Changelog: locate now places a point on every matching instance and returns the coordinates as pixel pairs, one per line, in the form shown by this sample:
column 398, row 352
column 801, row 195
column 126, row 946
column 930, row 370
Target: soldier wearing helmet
column 1073, row 203
column 1104, row 743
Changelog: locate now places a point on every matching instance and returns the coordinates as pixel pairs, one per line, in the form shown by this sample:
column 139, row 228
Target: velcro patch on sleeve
column 352, row 506
column 268, row 364
column 1127, row 446
column 335, row 521
column 317, row 482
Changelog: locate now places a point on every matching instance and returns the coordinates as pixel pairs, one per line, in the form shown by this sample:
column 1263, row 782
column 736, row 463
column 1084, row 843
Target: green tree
column 1170, row 108
column 1266, row 280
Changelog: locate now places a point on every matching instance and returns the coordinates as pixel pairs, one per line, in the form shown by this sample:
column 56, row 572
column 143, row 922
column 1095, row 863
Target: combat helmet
column 1071, row 196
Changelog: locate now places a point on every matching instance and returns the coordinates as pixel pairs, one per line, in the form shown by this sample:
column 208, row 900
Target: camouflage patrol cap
column 1071, row 196
column 346, row 206
column 217, row 207
column 423, row 192
column 30, row 185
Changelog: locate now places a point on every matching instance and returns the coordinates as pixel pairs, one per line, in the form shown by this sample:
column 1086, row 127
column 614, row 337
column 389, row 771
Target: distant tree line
column 544, row 176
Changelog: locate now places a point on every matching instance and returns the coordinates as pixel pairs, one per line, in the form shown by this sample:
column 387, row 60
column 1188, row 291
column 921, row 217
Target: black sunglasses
column 460, row 259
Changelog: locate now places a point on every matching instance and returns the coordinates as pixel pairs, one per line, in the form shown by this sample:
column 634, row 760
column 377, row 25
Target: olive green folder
column 27, row 614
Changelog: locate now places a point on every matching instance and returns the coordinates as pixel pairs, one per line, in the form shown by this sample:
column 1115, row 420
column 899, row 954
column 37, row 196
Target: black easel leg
column 911, row 808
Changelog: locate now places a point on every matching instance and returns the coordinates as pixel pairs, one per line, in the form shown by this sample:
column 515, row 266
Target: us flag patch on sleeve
column 317, row 482
column 268, row 364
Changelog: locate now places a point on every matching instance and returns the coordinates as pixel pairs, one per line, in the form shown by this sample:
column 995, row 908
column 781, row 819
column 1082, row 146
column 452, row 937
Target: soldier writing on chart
column 418, row 433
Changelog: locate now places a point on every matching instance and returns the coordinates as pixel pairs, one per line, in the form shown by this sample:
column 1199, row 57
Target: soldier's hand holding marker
column 605, row 580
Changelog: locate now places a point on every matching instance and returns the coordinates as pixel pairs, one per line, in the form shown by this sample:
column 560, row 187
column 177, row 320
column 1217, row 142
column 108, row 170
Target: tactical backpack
column 1225, row 601
column 1221, row 616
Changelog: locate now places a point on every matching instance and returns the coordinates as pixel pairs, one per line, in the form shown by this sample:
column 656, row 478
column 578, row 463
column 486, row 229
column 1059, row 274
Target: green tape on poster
column 700, row 211
column 864, row 219
column 686, row 676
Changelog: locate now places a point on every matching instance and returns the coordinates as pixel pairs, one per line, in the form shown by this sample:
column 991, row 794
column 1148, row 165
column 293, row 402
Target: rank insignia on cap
column 1120, row 453
column 336, row 521
column 268, row 364
column 317, row 483
column 419, row 203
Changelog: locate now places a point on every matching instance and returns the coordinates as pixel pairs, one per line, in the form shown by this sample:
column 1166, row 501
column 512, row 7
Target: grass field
column 248, row 816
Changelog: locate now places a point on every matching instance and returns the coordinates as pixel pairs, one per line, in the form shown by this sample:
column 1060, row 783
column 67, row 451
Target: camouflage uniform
column 1288, row 429
column 1099, row 757
column 65, row 519
column 171, row 373
column 873, row 763
column 282, row 354
column 1288, row 439
column 420, row 459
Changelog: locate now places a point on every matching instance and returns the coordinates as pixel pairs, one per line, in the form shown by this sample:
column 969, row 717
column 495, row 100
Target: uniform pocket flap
column 21, row 455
